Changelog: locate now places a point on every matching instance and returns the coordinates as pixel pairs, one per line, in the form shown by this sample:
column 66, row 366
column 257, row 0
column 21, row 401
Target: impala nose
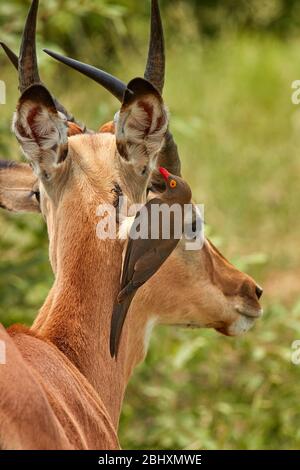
column 258, row 292
column 251, row 290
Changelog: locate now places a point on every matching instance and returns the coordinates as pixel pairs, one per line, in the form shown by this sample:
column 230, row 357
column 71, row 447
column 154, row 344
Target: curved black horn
column 15, row 62
column 28, row 66
column 109, row 82
column 155, row 68
column 11, row 55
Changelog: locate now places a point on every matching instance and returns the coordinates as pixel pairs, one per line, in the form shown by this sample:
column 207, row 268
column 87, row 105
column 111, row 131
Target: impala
column 60, row 388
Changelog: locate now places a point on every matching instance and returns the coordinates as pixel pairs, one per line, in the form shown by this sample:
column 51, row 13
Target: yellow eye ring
column 173, row 184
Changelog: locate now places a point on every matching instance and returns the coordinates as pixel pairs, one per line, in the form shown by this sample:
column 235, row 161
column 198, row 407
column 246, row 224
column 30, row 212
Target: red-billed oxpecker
column 145, row 254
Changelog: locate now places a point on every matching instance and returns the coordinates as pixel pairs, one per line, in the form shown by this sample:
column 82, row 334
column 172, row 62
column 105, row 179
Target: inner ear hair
column 137, row 88
column 141, row 126
column 40, row 95
column 41, row 130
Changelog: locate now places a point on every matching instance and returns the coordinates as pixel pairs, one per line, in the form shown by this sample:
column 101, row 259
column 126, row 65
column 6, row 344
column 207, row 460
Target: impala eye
column 37, row 195
column 173, row 184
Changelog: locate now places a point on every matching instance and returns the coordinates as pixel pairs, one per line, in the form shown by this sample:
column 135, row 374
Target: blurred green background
column 230, row 69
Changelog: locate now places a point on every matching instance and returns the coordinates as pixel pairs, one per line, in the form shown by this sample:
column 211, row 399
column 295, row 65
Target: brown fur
column 53, row 407
column 17, row 183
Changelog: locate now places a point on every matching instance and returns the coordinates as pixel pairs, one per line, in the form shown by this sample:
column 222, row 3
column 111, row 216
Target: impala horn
column 112, row 84
column 27, row 63
column 11, row 55
column 28, row 66
column 155, row 68
column 155, row 73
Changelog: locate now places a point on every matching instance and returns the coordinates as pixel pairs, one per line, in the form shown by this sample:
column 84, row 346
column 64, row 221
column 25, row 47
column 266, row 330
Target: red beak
column 164, row 173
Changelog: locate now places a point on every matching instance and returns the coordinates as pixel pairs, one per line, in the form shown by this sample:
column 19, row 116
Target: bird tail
column 126, row 292
column 118, row 318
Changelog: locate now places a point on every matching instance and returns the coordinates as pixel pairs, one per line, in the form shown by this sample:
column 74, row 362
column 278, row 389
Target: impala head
column 211, row 293
column 70, row 175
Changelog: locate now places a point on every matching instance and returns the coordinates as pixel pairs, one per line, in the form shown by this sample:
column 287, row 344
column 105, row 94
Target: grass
column 238, row 134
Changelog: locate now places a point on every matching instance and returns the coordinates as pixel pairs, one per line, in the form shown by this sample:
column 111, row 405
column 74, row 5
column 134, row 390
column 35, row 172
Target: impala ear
column 141, row 126
column 41, row 130
column 18, row 187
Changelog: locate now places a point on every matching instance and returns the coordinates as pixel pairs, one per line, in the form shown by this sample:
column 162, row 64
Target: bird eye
column 173, row 184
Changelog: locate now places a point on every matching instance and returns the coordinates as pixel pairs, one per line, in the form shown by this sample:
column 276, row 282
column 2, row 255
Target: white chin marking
column 241, row 326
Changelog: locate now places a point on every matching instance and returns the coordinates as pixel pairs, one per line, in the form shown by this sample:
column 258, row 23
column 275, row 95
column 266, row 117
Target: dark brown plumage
column 144, row 256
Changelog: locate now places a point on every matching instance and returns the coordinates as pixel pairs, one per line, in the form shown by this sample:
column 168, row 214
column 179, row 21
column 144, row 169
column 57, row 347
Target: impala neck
column 77, row 314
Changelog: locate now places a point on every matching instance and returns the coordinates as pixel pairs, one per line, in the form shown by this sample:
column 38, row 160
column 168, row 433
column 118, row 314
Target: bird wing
column 135, row 250
column 151, row 261
column 143, row 258
column 144, row 269
column 127, row 271
column 117, row 322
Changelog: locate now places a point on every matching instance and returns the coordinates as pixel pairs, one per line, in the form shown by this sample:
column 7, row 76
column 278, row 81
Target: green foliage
column 105, row 21
column 201, row 390
column 238, row 135
column 25, row 274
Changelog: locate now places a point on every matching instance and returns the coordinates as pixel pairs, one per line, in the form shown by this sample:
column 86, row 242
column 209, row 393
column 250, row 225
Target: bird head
column 176, row 187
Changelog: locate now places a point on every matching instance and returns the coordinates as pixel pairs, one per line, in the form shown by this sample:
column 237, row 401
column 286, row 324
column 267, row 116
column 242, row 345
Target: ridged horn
column 15, row 62
column 28, row 66
column 155, row 68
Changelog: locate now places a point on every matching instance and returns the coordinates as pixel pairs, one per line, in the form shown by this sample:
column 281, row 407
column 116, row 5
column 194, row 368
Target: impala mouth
column 192, row 325
column 250, row 312
column 241, row 326
column 189, row 325
column 246, row 319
